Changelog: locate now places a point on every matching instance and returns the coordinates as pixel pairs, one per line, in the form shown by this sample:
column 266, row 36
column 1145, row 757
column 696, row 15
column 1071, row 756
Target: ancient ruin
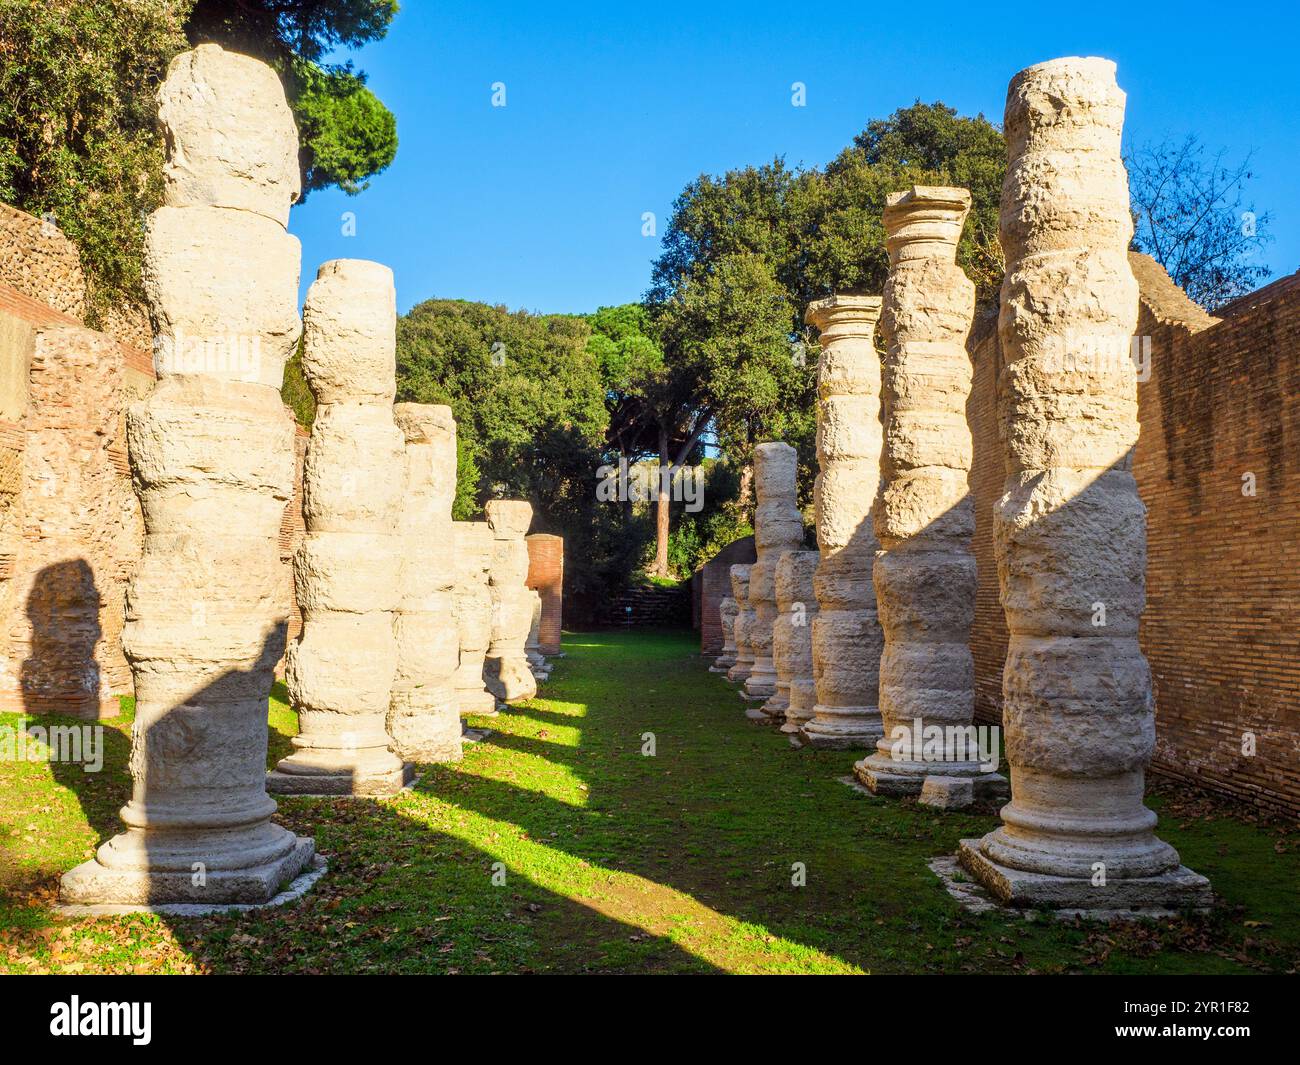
column 846, row 634
column 1070, row 528
column 727, row 610
column 796, row 606
column 925, row 571
column 778, row 527
column 423, row 716
column 505, row 669
column 474, row 546
column 347, row 571
column 532, row 646
column 211, row 451
column 744, row 621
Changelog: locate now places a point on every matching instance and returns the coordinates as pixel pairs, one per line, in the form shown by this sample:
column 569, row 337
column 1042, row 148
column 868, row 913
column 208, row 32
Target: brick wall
column 1222, row 624
column 546, row 575
column 715, row 585
column 70, row 526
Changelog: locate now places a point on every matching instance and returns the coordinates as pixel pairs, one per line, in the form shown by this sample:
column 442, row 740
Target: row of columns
column 894, row 579
column 409, row 619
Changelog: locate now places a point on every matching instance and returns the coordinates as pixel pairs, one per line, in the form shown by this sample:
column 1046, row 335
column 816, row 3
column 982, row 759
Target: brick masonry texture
column 546, row 575
column 714, row 585
column 1222, row 623
column 70, row 525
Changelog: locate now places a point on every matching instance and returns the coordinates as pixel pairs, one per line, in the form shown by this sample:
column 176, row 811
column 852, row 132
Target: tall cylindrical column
column 778, row 527
column 846, row 634
column 211, row 451
column 744, row 621
column 423, row 719
column 532, row 646
column 474, row 547
column 347, row 571
column 1070, row 530
column 505, row 670
column 925, row 570
column 796, row 604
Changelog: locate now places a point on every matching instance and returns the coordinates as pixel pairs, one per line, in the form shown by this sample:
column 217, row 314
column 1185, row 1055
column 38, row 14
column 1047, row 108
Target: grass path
column 558, row 845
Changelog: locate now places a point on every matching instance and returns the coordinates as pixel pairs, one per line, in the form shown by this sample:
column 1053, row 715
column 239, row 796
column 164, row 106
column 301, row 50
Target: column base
column 739, row 673
column 371, row 786
column 1178, row 889
column 956, row 784
column 842, row 732
column 760, row 716
column 93, row 885
column 475, row 702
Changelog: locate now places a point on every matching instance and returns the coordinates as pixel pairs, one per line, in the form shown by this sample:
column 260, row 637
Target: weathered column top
column 925, row 222
column 509, row 518
column 844, row 314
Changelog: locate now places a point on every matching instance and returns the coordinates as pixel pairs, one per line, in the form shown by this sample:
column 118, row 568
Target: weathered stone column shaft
column 796, row 603
column 846, row 633
column 347, row 571
column 505, row 670
column 778, row 527
column 744, row 621
column 474, row 546
column 1070, row 530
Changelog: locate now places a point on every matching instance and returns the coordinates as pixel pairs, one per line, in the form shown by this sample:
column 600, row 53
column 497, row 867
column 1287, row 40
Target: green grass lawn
column 558, row 846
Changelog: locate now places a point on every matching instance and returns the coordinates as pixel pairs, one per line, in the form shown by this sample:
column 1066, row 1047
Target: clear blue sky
column 611, row 112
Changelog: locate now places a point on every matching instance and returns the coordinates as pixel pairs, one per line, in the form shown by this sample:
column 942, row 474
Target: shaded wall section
column 546, row 575
column 1220, row 419
column 712, row 584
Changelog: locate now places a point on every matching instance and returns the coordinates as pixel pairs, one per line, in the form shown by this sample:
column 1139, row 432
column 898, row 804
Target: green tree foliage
column 1190, row 214
column 347, row 135
column 78, row 137
column 531, row 416
column 744, row 255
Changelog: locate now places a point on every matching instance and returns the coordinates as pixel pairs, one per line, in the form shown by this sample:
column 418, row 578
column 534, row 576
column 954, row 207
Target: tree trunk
column 660, row 568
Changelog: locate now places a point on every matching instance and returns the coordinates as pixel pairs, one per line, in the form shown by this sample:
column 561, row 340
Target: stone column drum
column 423, row 718
column 347, row 571
column 212, row 460
column 505, row 669
column 778, row 527
column 532, row 646
column 925, row 518
column 796, row 604
column 727, row 611
column 1070, row 530
column 846, row 635
column 474, row 547
column 744, row 620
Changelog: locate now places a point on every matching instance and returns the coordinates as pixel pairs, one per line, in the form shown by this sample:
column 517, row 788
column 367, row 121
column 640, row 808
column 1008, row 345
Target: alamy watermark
column 68, row 744
column 640, row 483
column 919, row 742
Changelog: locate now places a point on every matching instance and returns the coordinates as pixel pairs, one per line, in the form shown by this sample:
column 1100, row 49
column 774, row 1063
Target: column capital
column 925, row 221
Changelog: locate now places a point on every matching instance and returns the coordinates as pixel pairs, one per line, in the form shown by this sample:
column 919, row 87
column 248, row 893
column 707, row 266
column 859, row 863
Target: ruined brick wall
column 546, row 575
column 715, row 585
column 70, row 526
column 1222, row 624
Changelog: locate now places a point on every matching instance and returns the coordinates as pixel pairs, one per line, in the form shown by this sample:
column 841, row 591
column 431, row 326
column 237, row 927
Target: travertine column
column 846, row 634
column 474, row 547
column 505, row 670
column 423, row 719
column 925, row 571
column 744, row 620
column 532, row 646
column 211, row 452
column 778, row 527
column 727, row 611
column 796, row 604
column 1070, row 530
column 347, row 571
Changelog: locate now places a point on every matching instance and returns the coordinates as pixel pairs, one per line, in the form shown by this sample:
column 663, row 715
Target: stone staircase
column 649, row 607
